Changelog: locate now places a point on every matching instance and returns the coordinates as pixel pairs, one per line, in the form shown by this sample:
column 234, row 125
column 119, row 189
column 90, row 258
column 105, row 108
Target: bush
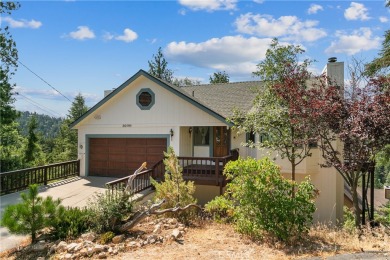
column 221, row 209
column 174, row 189
column 71, row 222
column 106, row 210
column 265, row 203
column 349, row 220
column 106, row 237
column 32, row 214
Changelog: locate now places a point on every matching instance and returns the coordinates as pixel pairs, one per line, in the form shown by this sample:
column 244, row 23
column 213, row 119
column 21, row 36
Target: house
column 137, row 121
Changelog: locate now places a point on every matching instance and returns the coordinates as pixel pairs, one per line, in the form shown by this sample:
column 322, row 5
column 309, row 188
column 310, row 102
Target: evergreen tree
column 33, row 155
column 11, row 141
column 219, row 77
column 158, row 67
column 65, row 144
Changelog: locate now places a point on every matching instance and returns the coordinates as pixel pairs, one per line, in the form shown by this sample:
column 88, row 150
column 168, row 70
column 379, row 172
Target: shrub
column 349, row 220
column 32, row 214
column 71, row 222
column 106, row 210
column 265, row 203
column 106, row 237
column 221, row 209
column 174, row 189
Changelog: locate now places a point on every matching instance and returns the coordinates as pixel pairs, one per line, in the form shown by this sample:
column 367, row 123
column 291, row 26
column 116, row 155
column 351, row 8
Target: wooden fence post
column 45, row 176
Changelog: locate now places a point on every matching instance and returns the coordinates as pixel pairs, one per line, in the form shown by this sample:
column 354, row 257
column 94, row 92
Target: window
column 145, row 99
column 250, row 137
column 201, row 135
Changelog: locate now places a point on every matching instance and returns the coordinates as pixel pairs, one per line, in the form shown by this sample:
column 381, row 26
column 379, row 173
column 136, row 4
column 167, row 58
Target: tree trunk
column 355, row 202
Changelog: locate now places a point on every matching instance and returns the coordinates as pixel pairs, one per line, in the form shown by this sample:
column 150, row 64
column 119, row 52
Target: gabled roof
column 170, row 87
column 223, row 98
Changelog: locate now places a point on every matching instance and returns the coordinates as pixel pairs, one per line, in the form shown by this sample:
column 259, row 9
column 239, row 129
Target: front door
column 221, row 141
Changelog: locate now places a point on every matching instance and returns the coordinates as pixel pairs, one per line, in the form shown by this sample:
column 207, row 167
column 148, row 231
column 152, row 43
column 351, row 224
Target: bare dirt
column 210, row 240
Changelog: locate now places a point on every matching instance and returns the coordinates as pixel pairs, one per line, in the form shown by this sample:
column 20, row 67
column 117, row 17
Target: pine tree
column 158, row 67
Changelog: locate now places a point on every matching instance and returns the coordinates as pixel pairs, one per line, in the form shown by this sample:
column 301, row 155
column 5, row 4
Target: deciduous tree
column 219, row 77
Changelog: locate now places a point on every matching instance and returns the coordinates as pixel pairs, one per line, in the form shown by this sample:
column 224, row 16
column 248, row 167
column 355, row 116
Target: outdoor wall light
column 81, row 146
column 171, row 132
column 190, row 130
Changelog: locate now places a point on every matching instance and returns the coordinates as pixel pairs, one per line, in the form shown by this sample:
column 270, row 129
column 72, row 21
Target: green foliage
column 265, row 203
column 158, row 67
column 11, row 148
column 219, row 77
column 47, row 126
column 33, row 154
column 65, row 144
column 185, row 82
column 107, row 210
column 273, row 113
column 32, row 214
column 106, row 237
column 174, row 189
column 383, row 215
column 221, row 208
column 349, row 220
column 70, row 222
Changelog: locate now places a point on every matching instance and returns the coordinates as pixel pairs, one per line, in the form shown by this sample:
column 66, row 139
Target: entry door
column 221, row 141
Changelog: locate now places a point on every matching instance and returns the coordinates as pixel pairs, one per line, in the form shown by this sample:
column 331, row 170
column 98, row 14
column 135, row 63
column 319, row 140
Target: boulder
column 118, row 239
column 176, row 234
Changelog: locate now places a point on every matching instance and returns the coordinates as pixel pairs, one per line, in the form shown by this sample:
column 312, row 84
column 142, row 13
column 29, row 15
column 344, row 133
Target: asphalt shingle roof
column 223, row 98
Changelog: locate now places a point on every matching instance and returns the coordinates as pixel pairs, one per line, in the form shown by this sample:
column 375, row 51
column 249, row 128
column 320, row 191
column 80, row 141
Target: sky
column 90, row 46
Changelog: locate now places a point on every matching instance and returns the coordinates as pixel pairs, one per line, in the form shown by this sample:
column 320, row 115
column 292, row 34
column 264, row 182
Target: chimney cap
column 332, row 59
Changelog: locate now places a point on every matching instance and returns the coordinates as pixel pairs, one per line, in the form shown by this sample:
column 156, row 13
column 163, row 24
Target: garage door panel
column 136, row 150
column 157, row 141
column 131, row 142
column 98, row 141
column 120, row 157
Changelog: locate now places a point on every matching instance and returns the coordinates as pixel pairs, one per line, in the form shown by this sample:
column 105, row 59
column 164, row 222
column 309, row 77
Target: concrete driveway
column 74, row 192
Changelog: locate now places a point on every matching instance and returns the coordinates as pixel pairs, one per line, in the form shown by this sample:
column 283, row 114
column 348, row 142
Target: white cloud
column 360, row 40
column 22, row 23
column 383, row 19
column 356, row 11
column 236, row 55
column 314, row 8
column 287, row 27
column 128, row 36
column 209, row 5
column 82, row 33
column 258, row 1
column 108, row 36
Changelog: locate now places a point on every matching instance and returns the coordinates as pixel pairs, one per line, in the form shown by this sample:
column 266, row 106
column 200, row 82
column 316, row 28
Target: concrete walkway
column 74, row 192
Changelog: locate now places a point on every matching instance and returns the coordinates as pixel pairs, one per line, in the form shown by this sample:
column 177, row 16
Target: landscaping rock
column 40, row 246
column 61, row 246
column 157, row 229
column 71, row 247
column 97, row 249
column 118, row 239
column 90, row 236
column 102, row 255
column 68, row 256
column 176, row 234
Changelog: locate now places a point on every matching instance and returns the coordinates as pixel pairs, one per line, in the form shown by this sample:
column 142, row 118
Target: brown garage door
column 119, row 157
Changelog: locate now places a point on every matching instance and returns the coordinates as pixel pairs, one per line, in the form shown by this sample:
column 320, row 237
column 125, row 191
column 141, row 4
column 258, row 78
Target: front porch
column 202, row 170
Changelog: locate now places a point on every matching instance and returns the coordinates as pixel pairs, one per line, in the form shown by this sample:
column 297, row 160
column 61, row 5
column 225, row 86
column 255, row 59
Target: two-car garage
column 120, row 157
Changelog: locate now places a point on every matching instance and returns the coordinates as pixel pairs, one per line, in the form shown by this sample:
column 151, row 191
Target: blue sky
column 91, row 46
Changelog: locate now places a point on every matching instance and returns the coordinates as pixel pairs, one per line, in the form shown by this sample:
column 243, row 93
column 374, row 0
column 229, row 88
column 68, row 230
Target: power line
column 40, row 106
column 44, row 81
column 13, row 60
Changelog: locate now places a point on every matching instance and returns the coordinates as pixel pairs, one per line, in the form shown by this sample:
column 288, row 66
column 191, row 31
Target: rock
column 176, row 234
column 68, row 256
column 114, row 252
column 41, row 258
column 102, row 255
column 71, row 247
column 118, row 239
column 132, row 244
column 152, row 239
column 172, row 221
column 61, row 246
column 40, row 246
column 157, row 229
column 98, row 249
column 83, row 252
column 52, row 250
column 90, row 236
column 181, row 228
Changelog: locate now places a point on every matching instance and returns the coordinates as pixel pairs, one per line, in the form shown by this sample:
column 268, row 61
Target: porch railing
column 207, row 169
column 21, row 179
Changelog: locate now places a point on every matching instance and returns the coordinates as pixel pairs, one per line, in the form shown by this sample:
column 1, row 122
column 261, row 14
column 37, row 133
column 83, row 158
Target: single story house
column 138, row 120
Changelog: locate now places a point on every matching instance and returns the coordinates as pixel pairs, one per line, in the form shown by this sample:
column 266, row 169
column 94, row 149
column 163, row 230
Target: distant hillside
column 48, row 126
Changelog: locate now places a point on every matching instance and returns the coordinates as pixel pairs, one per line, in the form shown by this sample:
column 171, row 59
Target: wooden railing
column 21, row 179
column 208, row 169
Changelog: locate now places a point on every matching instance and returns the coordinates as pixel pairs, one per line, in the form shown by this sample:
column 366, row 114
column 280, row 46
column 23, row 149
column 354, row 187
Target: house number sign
column 126, row 125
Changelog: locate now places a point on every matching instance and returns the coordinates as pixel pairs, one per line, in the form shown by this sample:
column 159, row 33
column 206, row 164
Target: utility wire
column 13, row 60
column 40, row 106
column 44, row 81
